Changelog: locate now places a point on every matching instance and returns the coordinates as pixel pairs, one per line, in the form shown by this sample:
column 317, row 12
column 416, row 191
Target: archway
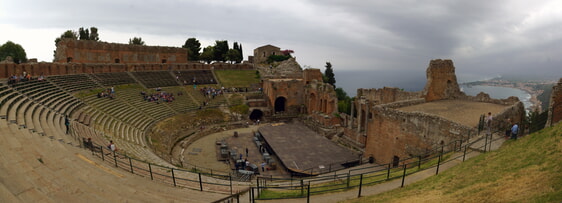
column 256, row 114
column 280, row 104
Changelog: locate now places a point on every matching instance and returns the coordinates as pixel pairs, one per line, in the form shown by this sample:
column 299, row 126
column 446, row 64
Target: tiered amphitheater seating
column 131, row 94
column 184, row 102
column 154, row 79
column 72, row 83
column 188, row 77
column 112, row 79
column 37, row 169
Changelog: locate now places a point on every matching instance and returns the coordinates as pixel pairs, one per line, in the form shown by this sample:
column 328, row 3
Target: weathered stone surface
column 555, row 106
column 441, row 81
column 262, row 53
column 88, row 51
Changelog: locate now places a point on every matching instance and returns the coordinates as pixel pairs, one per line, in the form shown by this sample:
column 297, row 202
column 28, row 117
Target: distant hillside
column 526, row 170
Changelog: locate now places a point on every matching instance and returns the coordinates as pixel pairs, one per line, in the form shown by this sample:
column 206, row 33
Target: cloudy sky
column 371, row 39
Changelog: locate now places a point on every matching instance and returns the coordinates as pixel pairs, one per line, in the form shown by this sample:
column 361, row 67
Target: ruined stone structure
column 441, row 81
column 88, row 51
column 290, row 91
column 555, row 106
column 46, row 69
column 262, row 53
column 390, row 135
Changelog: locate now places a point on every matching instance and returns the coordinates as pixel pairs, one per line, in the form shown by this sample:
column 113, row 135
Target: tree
column 233, row 55
column 220, row 49
column 344, row 101
column 94, row 34
column 329, row 76
column 14, row 50
column 208, row 54
column 136, row 41
column 238, row 47
column 193, row 47
column 88, row 34
column 69, row 34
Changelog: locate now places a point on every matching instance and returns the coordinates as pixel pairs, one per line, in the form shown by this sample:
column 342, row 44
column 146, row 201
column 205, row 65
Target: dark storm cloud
column 482, row 37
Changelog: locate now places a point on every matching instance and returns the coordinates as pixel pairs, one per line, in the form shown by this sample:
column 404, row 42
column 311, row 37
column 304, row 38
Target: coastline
column 536, row 104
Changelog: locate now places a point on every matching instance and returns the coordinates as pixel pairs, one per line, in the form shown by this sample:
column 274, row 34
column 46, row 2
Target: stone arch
column 280, row 104
column 256, row 114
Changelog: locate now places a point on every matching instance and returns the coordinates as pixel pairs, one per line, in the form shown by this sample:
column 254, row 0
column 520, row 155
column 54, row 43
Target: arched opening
column 395, row 161
column 280, row 104
column 256, row 114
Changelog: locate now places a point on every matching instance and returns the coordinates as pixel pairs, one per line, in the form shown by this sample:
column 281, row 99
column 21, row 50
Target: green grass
column 237, row 78
column 526, row 170
column 354, row 180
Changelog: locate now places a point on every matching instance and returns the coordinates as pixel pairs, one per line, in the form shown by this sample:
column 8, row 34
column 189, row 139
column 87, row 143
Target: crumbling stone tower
column 441, row 81
column 555, row 106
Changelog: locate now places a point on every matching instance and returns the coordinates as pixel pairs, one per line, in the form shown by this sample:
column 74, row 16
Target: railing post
column 115, row 158
column 388, row 173
column 173, row 177
column 200, row 182
column 360, row 185
column 150, row 170
column 486, row 143
column 102, row 154
column 348, row 179
column 438, row 163
column 403, row 176
column 131, row 165
column 302, row 187
column 230, row 179
column 464, row 154
column 308, row 193
column 258, row 185
column 419, row 162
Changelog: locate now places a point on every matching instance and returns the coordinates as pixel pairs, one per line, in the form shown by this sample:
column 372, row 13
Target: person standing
column 514, row 131
column 263, row 167
column 67, row 124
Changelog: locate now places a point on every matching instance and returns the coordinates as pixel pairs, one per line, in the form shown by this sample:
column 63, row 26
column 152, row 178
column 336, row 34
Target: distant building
column 262, row 53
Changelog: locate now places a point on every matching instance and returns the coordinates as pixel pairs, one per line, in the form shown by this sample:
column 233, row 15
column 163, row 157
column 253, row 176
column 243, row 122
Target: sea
column 497, row 92
column 350, row 81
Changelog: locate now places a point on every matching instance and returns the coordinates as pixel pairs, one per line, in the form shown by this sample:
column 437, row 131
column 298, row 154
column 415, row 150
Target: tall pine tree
column 329, row 76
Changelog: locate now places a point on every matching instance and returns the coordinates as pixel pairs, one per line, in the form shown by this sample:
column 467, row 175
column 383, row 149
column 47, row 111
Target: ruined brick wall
column 87, row 51
column 46, row 69
column 289, row 89
column 392, row 133
column 262, row 53
column 441, row 81
column 386, row 95
column 320, row 98
column 312, row 74
column 555, row 106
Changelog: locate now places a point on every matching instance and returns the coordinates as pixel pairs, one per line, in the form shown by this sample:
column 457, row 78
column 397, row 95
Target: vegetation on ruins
column 221, row 47
column 136, row 41
column 329, row 76
column 277, row 58
column 88, row 34
column 344, row 101
column 208, row 54
column 14, row 50
column 193, row 47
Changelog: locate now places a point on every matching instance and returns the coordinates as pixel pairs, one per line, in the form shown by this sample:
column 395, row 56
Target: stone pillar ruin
column 555, row 106
column 441, row 81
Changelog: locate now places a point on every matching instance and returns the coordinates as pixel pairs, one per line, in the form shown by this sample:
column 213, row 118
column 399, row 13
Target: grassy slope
column 237, row 78
column 526, row 170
